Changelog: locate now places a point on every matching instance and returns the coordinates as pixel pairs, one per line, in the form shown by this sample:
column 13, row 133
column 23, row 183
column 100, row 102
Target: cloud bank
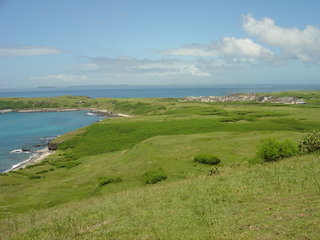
column 226, row 47
column 143, row 67
column 62, row 78
column 303, row 45
column 28, row 51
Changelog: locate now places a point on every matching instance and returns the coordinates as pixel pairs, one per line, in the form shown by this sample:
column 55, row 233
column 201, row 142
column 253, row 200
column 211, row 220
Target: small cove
column 21, row 134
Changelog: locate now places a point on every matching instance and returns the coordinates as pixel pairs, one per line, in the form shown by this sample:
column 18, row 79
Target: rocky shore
column 37, row 156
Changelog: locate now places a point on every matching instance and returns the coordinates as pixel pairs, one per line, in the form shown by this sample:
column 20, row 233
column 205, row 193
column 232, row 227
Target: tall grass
column 274, row 201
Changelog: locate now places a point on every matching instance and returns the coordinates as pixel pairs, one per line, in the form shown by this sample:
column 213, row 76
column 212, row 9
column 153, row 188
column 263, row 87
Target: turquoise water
column 32, row 131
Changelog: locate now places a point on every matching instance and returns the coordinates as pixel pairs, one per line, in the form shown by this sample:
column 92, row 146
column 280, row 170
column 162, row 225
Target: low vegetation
column 273, row 150
column 206, row 159
column 279, row 200
column 133, row 178
column 154, row 176
column 65, row 164
column 107, row 180
column 310, row 143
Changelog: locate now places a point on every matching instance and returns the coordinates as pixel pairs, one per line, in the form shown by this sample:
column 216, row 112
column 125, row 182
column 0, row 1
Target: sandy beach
column 37, row 156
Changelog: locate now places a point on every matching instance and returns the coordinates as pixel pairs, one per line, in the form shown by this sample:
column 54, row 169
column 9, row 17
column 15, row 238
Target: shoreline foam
column 37, row 156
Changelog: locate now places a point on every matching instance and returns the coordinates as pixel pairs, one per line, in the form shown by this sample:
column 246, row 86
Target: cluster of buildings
column 245, row 98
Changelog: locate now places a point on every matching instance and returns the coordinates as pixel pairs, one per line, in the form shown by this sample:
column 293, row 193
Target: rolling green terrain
column 93, row 186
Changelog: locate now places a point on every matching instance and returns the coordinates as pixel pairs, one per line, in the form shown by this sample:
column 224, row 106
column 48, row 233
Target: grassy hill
column 63, row 197
column 279, row 200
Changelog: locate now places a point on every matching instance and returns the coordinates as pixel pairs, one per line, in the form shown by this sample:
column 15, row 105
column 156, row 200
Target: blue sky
column 62, row 43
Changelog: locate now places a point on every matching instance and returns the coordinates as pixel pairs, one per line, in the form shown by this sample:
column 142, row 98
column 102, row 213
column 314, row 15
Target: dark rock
column 104, row 114
column 39, row 145
column 25, row 150
column 52, row 146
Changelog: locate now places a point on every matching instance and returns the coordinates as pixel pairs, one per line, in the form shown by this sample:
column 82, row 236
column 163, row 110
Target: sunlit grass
column 66, row 197
column 273, row 201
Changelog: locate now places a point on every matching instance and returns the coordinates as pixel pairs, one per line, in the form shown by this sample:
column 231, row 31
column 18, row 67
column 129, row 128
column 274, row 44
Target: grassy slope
column 271, row 201
column 175, row 157
column 167, row 134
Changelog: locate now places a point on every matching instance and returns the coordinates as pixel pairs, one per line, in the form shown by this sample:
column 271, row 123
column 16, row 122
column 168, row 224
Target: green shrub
column 154, row 176
column 67, row 164
column 273, row 150
column 45, row 171
column 310, row 143
column 35, row 165
column 31, row 176
column 107, row 180
column 206, row 159
column 42, row 171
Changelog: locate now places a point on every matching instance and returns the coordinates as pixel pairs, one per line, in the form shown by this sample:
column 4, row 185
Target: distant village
column 245, row 98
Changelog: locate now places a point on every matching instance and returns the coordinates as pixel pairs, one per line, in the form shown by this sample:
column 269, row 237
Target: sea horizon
column 142, row 91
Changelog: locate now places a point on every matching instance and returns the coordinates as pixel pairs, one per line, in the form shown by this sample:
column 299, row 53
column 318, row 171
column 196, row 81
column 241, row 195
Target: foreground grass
column 272, row 201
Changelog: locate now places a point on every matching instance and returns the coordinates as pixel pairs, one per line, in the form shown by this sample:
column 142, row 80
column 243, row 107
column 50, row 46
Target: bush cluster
column 154, row 176
column 45, row 171
column 206, row 159
column 33, row 176
column 273, row 150
column 310, row 143
column 65, row 164
column 107, row 180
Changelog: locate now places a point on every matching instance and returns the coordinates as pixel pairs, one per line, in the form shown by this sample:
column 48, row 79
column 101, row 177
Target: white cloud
column 28, row 51
column 129, row 69
column 88, row 67
column 62, row 77
column 173, row 68
column 143, row 67
column 228, row 47
column 301, row 44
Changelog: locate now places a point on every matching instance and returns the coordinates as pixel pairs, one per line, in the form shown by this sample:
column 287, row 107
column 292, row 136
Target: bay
column 32, row 131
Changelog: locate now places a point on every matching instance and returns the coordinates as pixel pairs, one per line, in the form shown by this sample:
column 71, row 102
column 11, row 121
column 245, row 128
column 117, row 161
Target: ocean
column 21, row 134
column 147, row 91
column 31, row 131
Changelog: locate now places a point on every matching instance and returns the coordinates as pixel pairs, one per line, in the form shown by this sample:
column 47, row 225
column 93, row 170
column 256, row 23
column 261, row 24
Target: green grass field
column 63, row 198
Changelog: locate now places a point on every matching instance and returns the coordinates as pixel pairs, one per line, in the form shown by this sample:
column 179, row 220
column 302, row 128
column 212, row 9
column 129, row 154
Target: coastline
column 37, row 156
column 41, row 154
column 39, row 110
column 95, row 111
